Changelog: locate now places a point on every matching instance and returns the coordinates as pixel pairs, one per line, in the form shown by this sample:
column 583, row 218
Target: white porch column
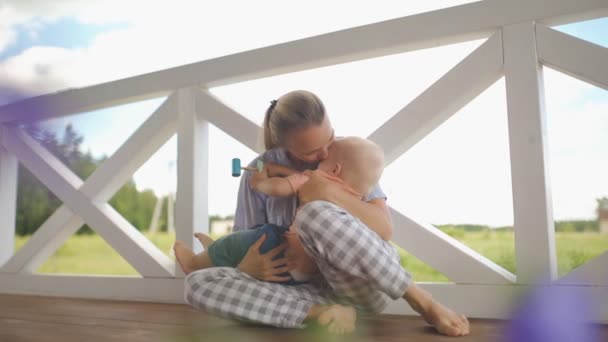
column 8, row 201
column 191, row 212
column 532, row 207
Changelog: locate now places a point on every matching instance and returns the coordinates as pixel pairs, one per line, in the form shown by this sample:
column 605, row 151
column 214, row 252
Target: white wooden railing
column 519, row 42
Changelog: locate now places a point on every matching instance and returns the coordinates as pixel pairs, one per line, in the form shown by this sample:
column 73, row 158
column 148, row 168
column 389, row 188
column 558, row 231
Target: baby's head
column 357, row 161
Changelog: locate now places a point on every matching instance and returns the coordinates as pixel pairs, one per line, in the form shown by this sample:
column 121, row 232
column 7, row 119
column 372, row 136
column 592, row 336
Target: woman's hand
column 317, row 188
column 261, row 266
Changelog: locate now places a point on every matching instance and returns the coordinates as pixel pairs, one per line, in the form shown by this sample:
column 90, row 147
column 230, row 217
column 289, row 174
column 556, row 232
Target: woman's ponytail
column 269, row 141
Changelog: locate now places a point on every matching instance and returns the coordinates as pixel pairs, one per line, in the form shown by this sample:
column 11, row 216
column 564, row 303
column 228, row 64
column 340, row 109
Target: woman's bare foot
column 446, row 321
column 184, row 256
column 204, row 239
column 339, row 319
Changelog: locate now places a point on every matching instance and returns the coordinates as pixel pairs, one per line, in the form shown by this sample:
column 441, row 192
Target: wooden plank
column 191, row 209
column 228, row 120
column 27, row 330
column 445, row 26
column 594, row 272
column 132, row 245
column 41, row 318
column 573, row 56
column 532, row 207
column 105, row 181
column 8, row 201
column 186, row 324
column 447, row 255
column 33, row 316
column 109, row 313
column 376, row 328
column 440, row 101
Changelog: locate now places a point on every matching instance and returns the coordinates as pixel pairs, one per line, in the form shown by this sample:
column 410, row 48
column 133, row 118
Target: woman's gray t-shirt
column 254, row 208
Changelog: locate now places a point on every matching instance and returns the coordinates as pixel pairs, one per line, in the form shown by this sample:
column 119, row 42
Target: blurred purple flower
column 555, row 314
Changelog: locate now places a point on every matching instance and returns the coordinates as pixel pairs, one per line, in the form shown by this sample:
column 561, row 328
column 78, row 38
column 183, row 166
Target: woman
column 346, row 237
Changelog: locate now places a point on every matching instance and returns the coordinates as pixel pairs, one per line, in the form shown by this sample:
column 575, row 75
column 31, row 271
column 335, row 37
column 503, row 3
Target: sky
column 460, row 173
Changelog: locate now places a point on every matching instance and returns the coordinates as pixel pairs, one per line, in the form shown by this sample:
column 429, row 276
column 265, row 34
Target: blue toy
column 236, row 167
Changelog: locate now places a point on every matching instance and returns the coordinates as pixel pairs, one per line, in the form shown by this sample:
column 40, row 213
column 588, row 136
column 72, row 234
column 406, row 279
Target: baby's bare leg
column 204, row 239
column 190, row 262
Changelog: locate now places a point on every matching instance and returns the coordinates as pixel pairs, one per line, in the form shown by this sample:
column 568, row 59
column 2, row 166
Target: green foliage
column 455, row 230
column 220, row 218
column 577, row 257
column 137, row 207
column 35, row 203
column 507, row 261
column 465, row 227
column 567, row 227
column 577, row 226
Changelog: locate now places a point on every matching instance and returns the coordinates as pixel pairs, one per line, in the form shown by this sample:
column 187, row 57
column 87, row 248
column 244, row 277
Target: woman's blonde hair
column 294, row 110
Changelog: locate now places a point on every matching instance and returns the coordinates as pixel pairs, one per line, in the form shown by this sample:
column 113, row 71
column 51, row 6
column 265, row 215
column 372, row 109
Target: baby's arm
column 273, row 186
column 277, row 170
column 271, row 180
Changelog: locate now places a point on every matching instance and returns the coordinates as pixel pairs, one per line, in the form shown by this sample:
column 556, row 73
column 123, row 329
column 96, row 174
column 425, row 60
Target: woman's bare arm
column 373, row 214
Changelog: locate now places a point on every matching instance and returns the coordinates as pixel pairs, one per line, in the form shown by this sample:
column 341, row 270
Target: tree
column 35, row 203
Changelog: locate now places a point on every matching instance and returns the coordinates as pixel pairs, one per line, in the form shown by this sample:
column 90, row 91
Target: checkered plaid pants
column 357, row 268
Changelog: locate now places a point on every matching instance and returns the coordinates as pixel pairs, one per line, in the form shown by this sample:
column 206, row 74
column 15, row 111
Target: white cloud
column 40, row 70
column 8, row 18
column 30, row 14
column 87, row 11
column 6, row 37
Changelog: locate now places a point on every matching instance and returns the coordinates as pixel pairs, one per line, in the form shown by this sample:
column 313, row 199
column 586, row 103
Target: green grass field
column 89, row 254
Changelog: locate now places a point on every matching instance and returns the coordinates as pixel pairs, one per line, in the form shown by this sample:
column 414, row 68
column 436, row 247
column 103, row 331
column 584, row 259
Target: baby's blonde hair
column 362, row 162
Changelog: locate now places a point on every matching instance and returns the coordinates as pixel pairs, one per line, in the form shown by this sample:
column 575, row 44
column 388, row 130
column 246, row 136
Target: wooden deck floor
column 31, row 318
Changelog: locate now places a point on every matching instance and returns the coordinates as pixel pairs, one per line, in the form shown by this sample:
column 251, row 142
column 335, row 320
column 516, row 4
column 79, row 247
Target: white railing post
column 532, row 209
column 191, row 211
column 8, row 201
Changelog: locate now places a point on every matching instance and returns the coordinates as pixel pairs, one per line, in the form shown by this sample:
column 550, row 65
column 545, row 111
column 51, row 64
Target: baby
column 354, row 163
